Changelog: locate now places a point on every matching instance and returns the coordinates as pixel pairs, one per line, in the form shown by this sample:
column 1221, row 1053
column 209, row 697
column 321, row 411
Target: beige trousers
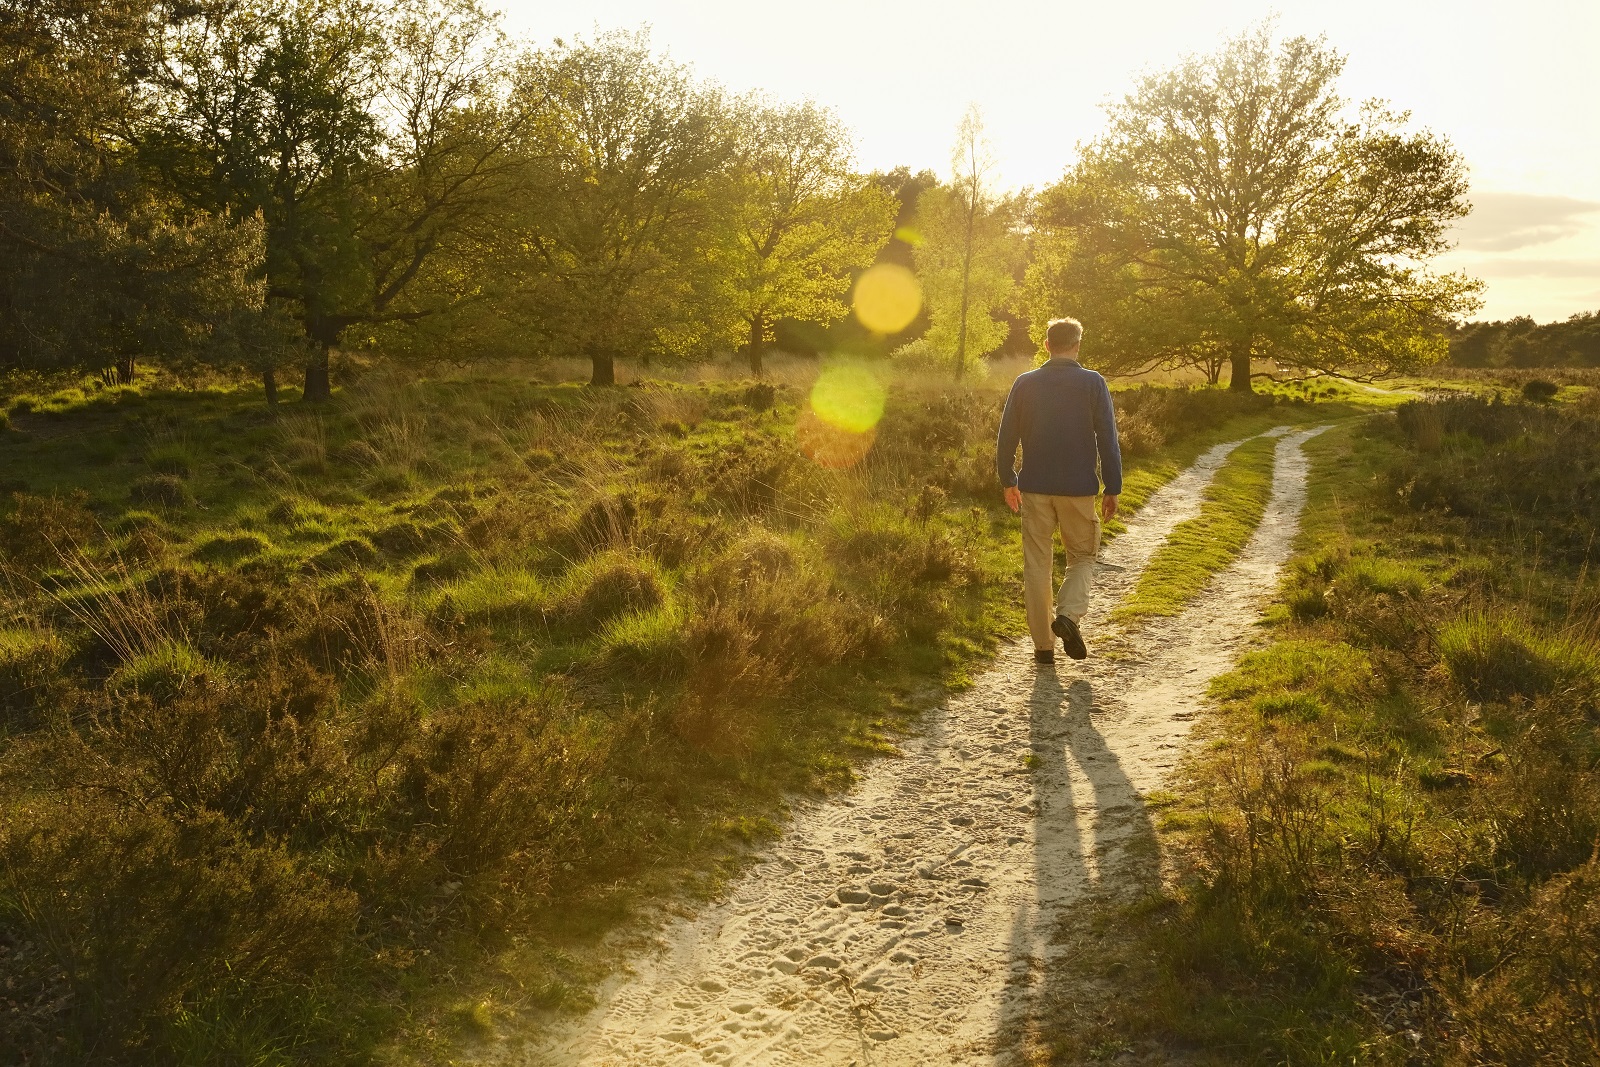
column 1079, row 523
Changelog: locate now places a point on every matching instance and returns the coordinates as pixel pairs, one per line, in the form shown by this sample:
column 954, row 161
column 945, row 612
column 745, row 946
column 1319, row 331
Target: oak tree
column 98, row 266
column 801, row 219
column 1234, row 210
column 623, row 159
column 372, row 141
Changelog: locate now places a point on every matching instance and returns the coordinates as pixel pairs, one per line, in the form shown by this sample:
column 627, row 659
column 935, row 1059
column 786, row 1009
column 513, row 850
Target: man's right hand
column 1014, row 498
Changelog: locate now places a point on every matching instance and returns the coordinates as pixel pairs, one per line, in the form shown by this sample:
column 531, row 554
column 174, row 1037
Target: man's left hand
column 1108, row 507
column 1014, row 498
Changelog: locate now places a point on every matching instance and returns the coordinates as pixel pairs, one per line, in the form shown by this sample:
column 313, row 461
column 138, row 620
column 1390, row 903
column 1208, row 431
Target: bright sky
column 1515, row 85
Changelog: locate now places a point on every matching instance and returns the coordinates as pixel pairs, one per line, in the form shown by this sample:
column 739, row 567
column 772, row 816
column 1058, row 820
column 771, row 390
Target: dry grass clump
column 231, row 548
column 1498, row 656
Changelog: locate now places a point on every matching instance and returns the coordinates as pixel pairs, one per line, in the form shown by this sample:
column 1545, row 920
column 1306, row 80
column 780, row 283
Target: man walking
column 1061, row 415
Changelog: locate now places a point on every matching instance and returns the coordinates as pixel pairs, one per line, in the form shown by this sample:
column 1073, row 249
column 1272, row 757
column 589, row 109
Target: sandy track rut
column 908, row 921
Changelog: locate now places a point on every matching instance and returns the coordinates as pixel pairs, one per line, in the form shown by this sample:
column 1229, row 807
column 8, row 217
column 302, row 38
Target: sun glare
column 838, row 428
column 849, row 396
column 887, row 298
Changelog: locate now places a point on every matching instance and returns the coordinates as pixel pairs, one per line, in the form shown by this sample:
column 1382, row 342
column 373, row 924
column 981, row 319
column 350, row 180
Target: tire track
column 908, row 921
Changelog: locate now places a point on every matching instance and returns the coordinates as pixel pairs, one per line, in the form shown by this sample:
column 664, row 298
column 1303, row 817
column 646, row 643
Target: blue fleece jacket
column 1061, row 414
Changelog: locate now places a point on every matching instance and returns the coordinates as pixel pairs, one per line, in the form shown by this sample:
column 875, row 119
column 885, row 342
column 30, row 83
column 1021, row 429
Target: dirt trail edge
column 909, row 921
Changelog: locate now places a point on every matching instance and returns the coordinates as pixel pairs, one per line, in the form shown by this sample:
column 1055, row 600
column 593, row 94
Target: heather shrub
column 36, row 531
column 143, row 918
column 161, row 490
column 31, row 664
column 1539, row 391
column 1537, row 1006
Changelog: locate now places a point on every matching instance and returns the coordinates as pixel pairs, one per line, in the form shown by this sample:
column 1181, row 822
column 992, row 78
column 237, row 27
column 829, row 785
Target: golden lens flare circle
column 827, row 445
column 849, row 396
column 887, row 297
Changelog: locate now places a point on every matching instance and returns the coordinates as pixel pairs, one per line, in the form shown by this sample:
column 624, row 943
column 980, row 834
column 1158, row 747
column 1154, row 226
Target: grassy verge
column 342, row 732
column 1390, row 846
column 1202, row 547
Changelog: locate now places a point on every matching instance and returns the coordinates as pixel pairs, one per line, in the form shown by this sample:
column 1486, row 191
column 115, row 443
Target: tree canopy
column 1234, row 209
column 968, row 252
column 250, row 183
column 1521, row 342
column 372, row 143
column 98, row 265
column 803, row 219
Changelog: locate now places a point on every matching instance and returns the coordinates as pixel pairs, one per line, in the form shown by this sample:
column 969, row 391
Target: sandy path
column 908, row 921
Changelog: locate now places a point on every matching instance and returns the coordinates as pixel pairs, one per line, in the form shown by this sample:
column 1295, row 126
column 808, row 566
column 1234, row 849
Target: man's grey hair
column 1062, row 334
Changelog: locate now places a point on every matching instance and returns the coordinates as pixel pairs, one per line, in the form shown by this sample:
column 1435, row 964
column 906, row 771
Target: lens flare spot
column 827, row 445
column 887, row 298
column 849, row 396
column 910, row 235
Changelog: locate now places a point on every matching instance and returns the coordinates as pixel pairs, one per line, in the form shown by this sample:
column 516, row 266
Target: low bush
column 1539, row 391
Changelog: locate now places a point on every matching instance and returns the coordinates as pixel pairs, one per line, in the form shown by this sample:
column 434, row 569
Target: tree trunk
column 605, row 372
column 318, row 386
column 758, row 332
column 269, row 384
column 1240, row 379
column 125, row 371
column 966, row 281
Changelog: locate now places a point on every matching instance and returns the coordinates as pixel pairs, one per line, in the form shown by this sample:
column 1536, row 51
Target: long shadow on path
column 1092, row 836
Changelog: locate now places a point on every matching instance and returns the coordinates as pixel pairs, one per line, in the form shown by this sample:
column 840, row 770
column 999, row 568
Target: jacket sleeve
column 1105, row 439
column 1005, row 459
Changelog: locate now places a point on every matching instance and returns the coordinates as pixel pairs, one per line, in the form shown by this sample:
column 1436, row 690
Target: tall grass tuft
column 1496, row 655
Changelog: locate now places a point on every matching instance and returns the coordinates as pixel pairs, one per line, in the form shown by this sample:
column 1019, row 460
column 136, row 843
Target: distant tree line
column 1521, row 342
column 252, row 184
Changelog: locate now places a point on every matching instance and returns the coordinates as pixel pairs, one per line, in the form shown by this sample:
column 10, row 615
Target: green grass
column 425, row 690
column 1387, row 848
column 1201, row 548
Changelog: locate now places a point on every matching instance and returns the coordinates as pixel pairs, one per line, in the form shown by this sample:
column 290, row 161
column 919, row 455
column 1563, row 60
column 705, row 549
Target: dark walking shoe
column 1044, row 655
column 1071, row 639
